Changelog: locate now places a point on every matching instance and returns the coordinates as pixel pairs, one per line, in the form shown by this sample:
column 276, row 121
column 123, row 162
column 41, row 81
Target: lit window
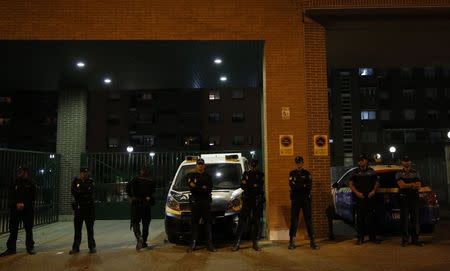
column 368, row 115
column 214, row 95
column 406, row 73
column 365, row 71
column 214, row 140
column 147, row 97
column 368, row 92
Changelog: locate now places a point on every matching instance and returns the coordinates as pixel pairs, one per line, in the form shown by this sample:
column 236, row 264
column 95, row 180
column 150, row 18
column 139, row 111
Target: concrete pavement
column 116, row 251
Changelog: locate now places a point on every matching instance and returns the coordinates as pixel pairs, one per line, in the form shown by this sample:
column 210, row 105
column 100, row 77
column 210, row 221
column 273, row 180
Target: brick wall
column 70, row 141
column 294, row 57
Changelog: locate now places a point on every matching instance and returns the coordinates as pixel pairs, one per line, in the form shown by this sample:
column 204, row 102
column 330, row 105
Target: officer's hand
column 244, row 182
column 255, row 185
column 417, row 185
column 204, row 187
column 192, row 184
column 371, row 194
column 360, row 195
column 147, row 198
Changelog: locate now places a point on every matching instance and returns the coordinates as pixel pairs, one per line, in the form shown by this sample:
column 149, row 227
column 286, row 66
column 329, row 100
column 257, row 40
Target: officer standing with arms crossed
column 84, row 209
column 140, row 190
column 364, row 183
column 201, row 185
column 300, row 182
column 409, row 183
column 21, row 199
column 253, row 199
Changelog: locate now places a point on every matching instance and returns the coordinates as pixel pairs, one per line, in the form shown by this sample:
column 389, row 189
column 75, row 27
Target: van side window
column 344, row 181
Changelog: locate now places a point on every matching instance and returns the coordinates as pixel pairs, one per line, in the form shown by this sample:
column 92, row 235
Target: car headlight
column 235, row 204
column 173, row 203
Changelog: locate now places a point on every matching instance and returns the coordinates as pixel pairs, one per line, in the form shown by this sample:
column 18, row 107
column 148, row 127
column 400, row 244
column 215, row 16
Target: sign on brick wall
column 286, row 145
column 321, row 145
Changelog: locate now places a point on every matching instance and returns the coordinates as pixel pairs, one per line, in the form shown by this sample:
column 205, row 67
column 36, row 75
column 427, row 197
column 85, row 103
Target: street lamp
column 253, row 153
column 392, row 150
column 130, row 149
column 448, row 134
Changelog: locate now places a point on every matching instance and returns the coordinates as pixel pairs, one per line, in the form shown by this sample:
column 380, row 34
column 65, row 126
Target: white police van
column 226, row 171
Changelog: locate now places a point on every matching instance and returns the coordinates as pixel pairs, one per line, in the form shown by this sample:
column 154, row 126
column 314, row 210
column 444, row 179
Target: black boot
column 192, row 247
column 74, row 250
column 139, row 243
column 256, row 247
column 235, row 247
column 312, row 244
column 211, row 247
column 31, row 251
column 291, row 242
column 7, row 253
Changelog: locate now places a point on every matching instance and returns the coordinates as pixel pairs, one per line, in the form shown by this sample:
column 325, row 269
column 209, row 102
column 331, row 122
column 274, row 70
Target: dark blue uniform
column 253, row 199
column 409, row 205
column 365, row 181
column 300, row 182
column 141, row 190
column 200, row 185
column 21, row 191
column 84, row 210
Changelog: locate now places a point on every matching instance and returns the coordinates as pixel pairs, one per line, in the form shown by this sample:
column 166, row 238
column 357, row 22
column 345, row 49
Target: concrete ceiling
column 132, row 65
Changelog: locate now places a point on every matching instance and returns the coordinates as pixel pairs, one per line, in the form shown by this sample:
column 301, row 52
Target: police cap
column 200, row 161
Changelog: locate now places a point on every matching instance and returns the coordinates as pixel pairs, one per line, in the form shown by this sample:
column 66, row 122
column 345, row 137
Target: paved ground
column 116, row 252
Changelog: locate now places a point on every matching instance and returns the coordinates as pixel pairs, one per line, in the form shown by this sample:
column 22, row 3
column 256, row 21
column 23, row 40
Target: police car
column 387, row 196
column 226, row 172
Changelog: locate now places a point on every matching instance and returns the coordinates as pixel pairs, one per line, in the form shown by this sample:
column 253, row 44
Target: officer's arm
column 244, row 181
column 73, row 189
column 309, row 182
column 12, row 195
column 352, row 186
column 291, row 181
column 128, row 188
column 33, row 192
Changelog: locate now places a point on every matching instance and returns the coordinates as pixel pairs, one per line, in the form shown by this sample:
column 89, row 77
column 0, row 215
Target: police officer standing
column 408, row 181
column 300, row 182
column 364, row 183
column 200, row 186
column 140, row 190
column 83, row 193
column 21, row 198
column 253, row 199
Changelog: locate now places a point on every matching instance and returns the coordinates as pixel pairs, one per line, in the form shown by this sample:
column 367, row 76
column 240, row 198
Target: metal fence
column 44, row 169
column 112, row 171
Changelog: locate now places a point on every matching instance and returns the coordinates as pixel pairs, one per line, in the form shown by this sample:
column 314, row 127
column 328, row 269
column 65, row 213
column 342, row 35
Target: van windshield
column 224, row 176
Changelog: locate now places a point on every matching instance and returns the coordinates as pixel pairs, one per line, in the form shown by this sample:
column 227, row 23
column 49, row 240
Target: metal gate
column 44, row 169
column 112, row 171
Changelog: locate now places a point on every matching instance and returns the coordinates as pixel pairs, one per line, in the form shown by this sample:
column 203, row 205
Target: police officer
column 83, row 193
column 409, row 182
column 140, row 190
column 364, row 183
column 300, row 182
column 21, row 198
column 253, row 199
column 200, row 186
